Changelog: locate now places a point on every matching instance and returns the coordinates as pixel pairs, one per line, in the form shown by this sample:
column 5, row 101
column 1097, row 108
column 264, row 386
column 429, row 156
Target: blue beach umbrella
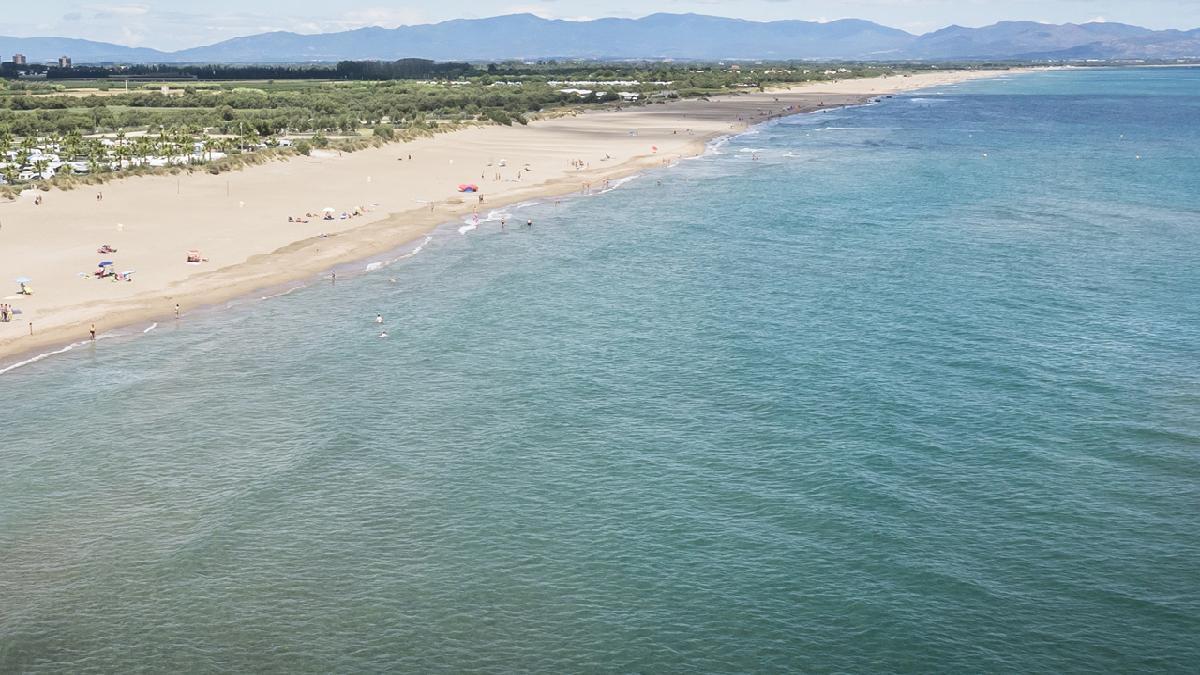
column 105, row 263
column 23, row 280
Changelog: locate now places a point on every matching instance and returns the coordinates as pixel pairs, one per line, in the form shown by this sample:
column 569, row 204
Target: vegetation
column 145, row 118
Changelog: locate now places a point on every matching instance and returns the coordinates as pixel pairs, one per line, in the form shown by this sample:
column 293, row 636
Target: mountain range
column 658, row 36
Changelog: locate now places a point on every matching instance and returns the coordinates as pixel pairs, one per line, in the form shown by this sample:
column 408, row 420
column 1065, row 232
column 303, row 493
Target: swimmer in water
column 378, row 318
column 529, row 223
column 383, row 334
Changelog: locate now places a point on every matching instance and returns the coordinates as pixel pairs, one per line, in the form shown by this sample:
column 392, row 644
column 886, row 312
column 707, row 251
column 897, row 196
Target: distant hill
column 1011, row 38
column 1168, row 44
column 81, row 51
column 658, row 36
column 525, row 36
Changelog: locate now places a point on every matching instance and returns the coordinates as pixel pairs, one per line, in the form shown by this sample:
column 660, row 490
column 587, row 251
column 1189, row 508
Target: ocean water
column 916, row 390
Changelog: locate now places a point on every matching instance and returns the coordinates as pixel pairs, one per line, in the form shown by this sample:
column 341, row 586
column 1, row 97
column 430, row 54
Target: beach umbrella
column 105, row 263
column 23, row 280
column 329, row 209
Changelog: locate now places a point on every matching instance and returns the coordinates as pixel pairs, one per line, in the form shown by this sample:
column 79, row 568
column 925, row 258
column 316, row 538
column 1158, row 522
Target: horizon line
column 1095, row 21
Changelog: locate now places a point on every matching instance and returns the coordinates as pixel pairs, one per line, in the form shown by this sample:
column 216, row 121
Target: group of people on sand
column 328, row 215
column 6, row 313
column 107, row 272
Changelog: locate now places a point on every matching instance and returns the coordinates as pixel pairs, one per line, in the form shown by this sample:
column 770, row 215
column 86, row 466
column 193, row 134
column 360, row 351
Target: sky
column 176, row 24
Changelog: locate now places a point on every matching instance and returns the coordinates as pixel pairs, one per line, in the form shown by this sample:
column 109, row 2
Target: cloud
column 386, row 17
column 141, row 25
column 110, row 11
column 544, row 12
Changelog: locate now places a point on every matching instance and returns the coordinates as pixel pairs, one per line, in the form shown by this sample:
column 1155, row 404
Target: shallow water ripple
column 872, row 403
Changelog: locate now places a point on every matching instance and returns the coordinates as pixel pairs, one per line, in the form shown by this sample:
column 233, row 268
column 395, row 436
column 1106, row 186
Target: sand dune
column 240, row 220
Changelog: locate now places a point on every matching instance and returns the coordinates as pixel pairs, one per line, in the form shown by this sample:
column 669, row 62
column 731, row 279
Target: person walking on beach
column 177, row 310
column 93, row 332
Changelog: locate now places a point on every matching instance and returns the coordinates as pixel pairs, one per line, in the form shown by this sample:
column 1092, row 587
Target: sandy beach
column 240, row 221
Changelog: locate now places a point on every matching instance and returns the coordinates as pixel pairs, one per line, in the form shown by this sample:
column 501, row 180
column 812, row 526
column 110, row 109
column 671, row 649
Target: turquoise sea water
column 917, row 390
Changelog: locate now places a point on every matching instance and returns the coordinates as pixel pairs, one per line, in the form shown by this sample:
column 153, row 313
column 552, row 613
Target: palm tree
column 121, row 149
column 248, row 138
column 71, row 144
column 98, row 158
column 52, row 142
column 143, row 147
column 183, row 141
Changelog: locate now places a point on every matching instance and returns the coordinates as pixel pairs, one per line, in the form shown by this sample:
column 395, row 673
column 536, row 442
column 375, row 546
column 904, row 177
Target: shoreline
column 298, row 261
